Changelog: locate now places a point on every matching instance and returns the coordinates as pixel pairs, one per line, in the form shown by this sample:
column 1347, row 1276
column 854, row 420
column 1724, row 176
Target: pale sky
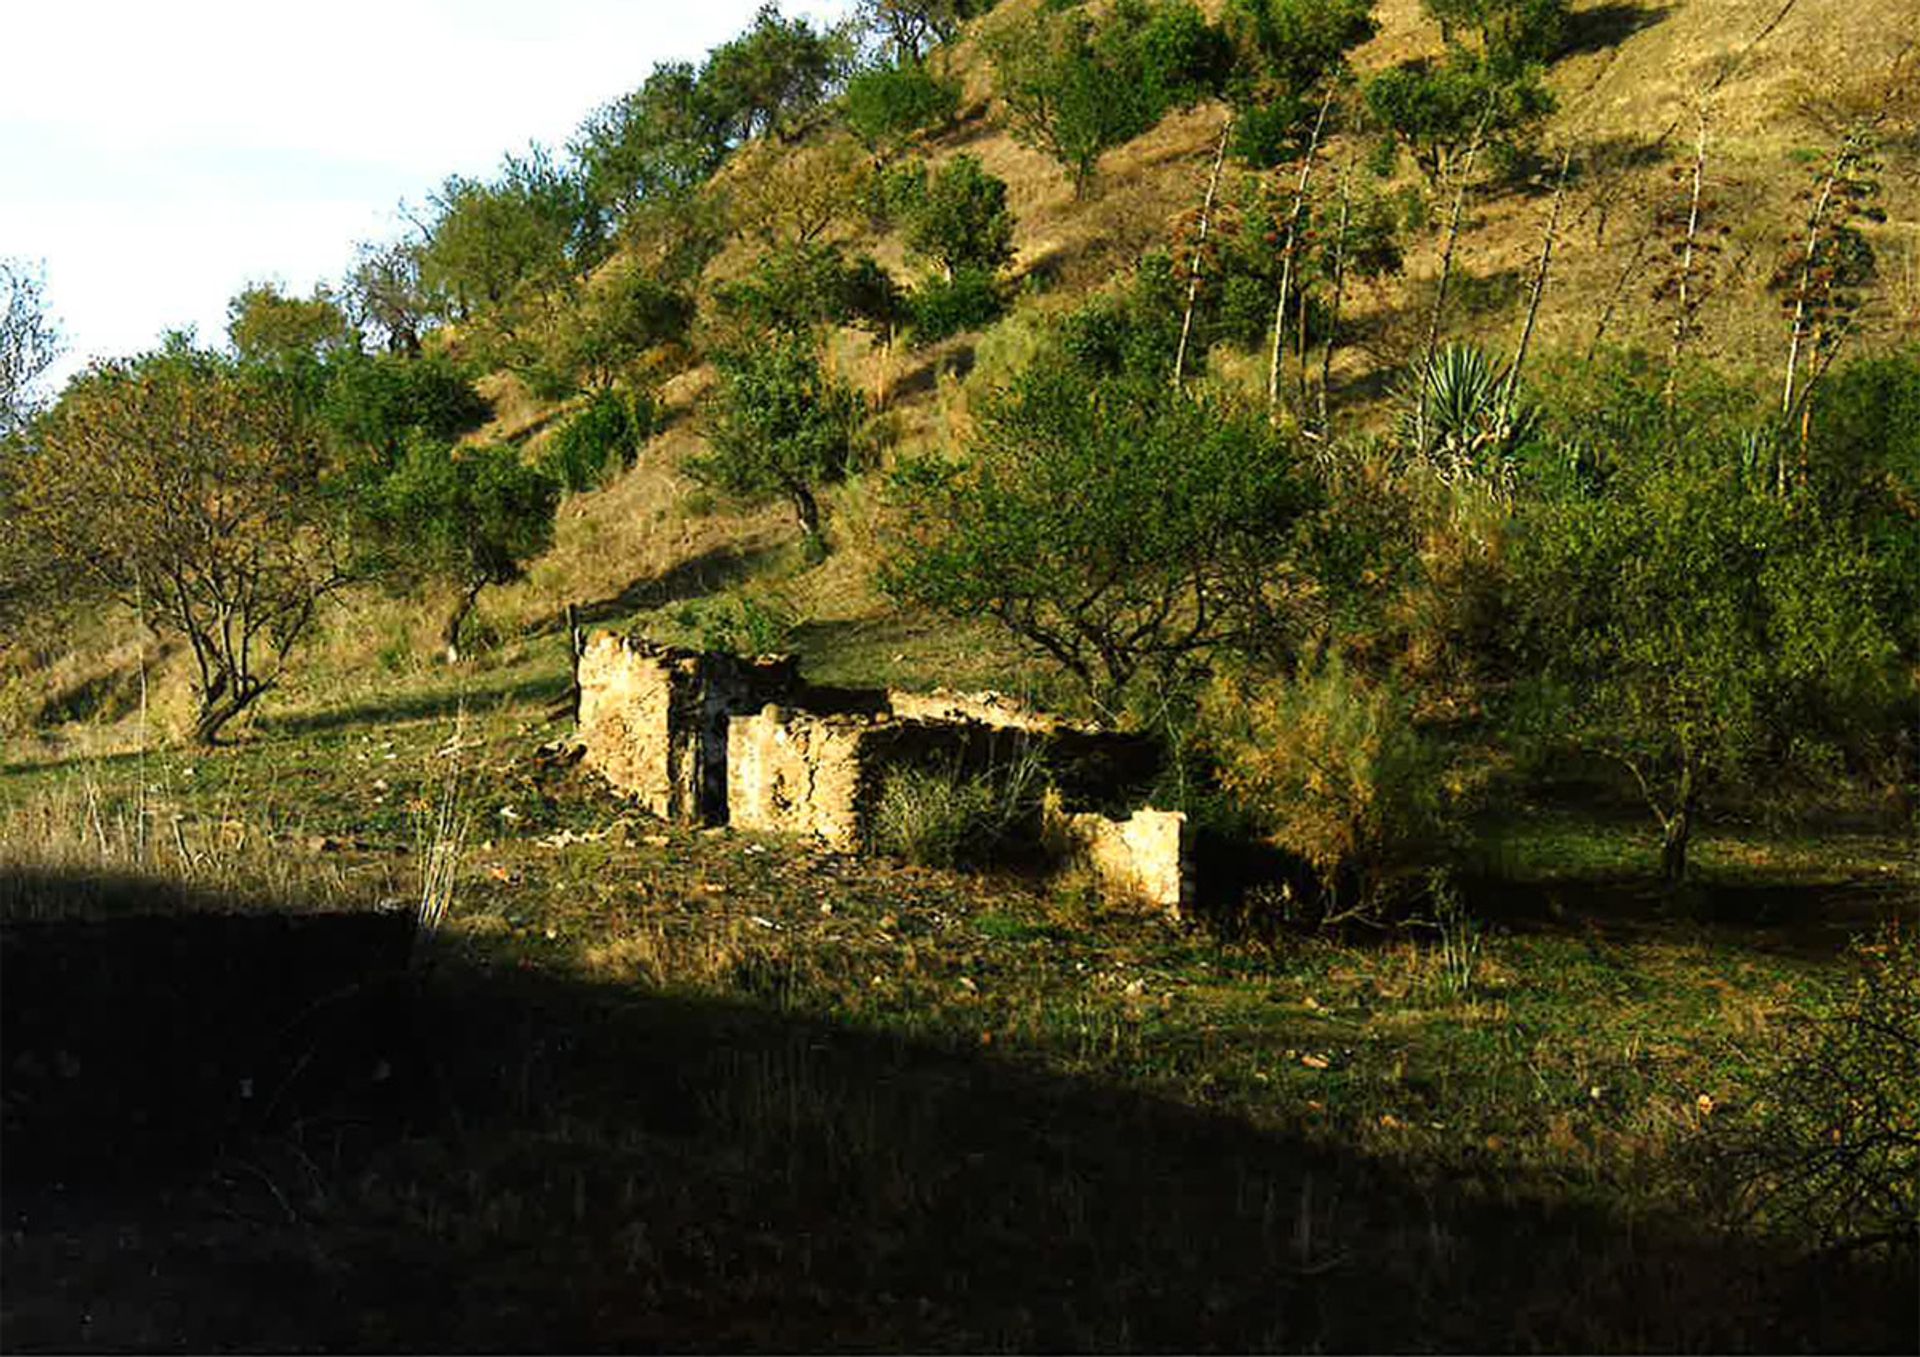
column 157, row 156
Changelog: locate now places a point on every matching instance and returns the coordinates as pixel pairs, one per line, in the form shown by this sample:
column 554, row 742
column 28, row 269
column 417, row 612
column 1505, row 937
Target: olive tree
column 1697, row 632
column 779, row 424
column 192, row 488
column 1109, row 522
column 461, row 516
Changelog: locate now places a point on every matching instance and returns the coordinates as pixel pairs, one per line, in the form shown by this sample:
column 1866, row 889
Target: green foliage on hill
column 468, row 517
column 1113, row 524
column 780, row 425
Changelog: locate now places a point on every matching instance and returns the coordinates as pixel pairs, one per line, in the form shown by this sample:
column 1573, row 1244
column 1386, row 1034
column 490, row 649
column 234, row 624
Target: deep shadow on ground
column 275, row 1131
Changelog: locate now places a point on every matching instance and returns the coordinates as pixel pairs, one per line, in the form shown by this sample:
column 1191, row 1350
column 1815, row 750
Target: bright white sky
column 157, row 157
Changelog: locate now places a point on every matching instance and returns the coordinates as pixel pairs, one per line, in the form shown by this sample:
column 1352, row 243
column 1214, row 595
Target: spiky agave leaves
column 1463, row 418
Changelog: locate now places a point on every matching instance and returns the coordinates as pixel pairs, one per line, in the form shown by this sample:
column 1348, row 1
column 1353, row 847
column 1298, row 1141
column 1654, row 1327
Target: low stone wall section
column 1145, row 859
column 654, row 719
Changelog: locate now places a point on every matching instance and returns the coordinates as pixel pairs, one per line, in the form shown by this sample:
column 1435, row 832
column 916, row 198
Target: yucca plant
column 1464, row 418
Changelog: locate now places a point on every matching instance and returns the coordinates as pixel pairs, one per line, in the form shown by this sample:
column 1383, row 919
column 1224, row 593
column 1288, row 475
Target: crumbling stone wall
column 988, row 709
column 791, row 772
column 1145, row 858
column 654, row 720
column 722, row 740
column 821, row 775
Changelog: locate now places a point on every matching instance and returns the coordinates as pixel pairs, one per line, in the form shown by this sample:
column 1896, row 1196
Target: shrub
column 1831, row 1142
column 607, row 433
column 743, row 624
column 887, row 105
column 942, row 817
column 1335, row 771
column 781, row 425
column 942, row 307
column 958, row 218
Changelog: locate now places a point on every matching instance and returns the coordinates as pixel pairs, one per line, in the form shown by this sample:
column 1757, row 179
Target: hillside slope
column 1777, row 78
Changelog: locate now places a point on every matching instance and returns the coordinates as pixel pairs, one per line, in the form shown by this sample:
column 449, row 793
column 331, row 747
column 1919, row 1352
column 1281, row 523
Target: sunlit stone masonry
column 709, row 738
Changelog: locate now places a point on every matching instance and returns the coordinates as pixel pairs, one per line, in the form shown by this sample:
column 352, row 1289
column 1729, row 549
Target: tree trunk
column 219, row 704
column 450, row 634
column 1677, row 831
column 807, row 509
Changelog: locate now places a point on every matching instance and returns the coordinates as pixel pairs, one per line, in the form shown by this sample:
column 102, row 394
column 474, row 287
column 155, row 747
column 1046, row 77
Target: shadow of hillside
column 438, row 703
column 697, row 577
column 1600, row 27
column 261, row 1132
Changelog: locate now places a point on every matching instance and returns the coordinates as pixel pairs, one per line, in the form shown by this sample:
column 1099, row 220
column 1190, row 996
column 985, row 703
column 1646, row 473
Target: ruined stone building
column 709, row 738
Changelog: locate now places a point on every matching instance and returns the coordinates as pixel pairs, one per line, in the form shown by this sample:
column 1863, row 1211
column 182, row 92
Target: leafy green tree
column 266, row 326
column 468, row 517
column 29, row 343
column 959, row 218
column 1439, row 109
column 1288, row 47
column 1073, row 89
column 799, row 290
column 383, row 294
column 606, row 433
column 373, row 406
column 1522, row 30
column 658, row 143
column 1173, row 56
column 529, row 230
column 1060, row 97
column 909, row 27
column 779, row 425
column 1864, row 468
column 886, row 105
column 770, row 78
column 627, row 316
column 194, row 489
column 1699, row 631
column 1115, row 525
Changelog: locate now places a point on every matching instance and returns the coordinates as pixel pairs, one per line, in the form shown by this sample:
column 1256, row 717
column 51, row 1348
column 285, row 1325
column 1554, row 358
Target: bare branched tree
column 192, row 489
column 29, row 342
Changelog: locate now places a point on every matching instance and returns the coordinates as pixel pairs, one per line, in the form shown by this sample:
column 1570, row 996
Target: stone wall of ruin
column 721, row 740
column 1145, row 859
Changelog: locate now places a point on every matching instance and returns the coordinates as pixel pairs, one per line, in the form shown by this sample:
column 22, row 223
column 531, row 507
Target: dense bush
column 941, row 307
column 1335, row 770
column 596, row 441
column 888, row 104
